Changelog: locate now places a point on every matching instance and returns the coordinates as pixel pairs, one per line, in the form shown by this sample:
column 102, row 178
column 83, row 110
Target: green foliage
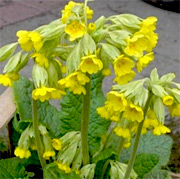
column 52, row 171
column 159, row 174
column 144, row 163
column 160, row 145
column 13, row 168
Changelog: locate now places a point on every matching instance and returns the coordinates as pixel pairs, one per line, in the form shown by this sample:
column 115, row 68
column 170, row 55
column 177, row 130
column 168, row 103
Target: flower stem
column 136, row 142
column 85, row 13
column 85, row 123
column 37, row 134
column 104, row 168
column 120, row 146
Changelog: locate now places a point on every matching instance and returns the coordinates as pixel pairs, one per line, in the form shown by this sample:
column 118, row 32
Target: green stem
column 120, row 146
column 136, row 142
column 104, row 168
column 85, row 123
column 37, row 134
column 85, row 13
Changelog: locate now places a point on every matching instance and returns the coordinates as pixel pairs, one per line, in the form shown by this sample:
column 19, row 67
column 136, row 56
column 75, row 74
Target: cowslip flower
column 90, row 64
column 75, row 30
column 136, row 45
column 48, row 154
column 161, row 129
column 116, row 101
column 168, row 100
column 91, row 26
column 41, row 59
column 122, row 132
column 29, row 39
column 7, row 79
column 175, row 110
column 125, row 78
column 106, row 72
column 22, row 153
column 45, row 93
column 64, row 167
column 144, row 61
column 74, row 82
column 57, row 144
column 133, row 113
column 123, row 65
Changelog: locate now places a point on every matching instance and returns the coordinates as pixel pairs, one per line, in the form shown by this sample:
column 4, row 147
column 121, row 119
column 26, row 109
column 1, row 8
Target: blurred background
column 29, row 14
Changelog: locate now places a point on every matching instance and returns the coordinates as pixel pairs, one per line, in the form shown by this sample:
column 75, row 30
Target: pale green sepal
column 74, row 58
column 118, row 170
column 108, row 54
column 141, row 97
column 22, row 63
column 159, row 110
column 39, row 76
column 176, row 93
column 53, row 76
column 42, row 129
column 176, row 84
column 159, row 91
column 88, row 171
column 119, row 37
column 12, row 63
column 88, row 45
column 167, row 78
column 100, row 22
column 154, row 75
column 7, row 51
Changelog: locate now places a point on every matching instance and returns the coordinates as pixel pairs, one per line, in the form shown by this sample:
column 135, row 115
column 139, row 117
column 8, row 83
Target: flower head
column 122, row 132
column 148, row 24
column 144, row 61
column 125, row 78
column 22, row 153
column 90, row 64
column 161, row 129
column 133, row 113
column 57, row 144
column 91, row 26
column 7, row 79
column 29, row 39
column 75, row 30
column 74, row 82
column 168, row 100
column 41, row 59
column 123, row 65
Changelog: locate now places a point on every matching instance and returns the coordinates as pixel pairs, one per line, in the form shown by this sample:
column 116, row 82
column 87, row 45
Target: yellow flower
column 74, row 82
column 89, row 12
column 175, row 110
column 115, row 118
column 91, row 26
column 133, row 113
column 116, row 101
column 106, row 72
column 29, row 39
column 168, row 100
column 127, row 145
column 7, row 79
column 75, row 30
column 103, row 112
column 64, row 167
column 136, row 45
column 122, row 132
column 161, row 129
column 44, row 93
column 123, row 65
column 149, row 24
column 22, row 153
column 144, row 61
column 57, row 144
column 90, row 64
column 41, row 59
column 125, row 78
column 48, row 154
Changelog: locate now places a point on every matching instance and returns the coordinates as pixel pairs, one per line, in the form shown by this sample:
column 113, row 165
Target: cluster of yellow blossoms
column 7, row 79
column 75, row 21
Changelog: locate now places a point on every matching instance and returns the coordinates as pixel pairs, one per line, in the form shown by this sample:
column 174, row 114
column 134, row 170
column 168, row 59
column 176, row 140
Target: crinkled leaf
column 144, row 163
column 158, row 174
column 52, row 171
column 12, row 168
column 160, row 145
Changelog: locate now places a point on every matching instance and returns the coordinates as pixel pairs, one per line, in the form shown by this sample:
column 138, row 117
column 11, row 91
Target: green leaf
column 12, row 168
column 158, row 174
column 144, row 163
column 7, row 51
column 52, row 171
column 160, row 145
column 159, row 110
